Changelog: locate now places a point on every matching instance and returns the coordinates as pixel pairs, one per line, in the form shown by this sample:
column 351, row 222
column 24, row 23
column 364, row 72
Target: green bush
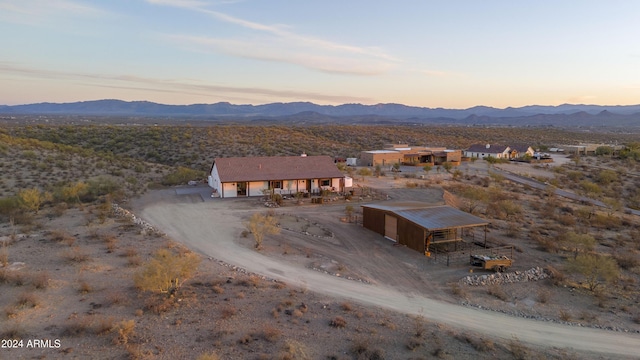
column 182, row 175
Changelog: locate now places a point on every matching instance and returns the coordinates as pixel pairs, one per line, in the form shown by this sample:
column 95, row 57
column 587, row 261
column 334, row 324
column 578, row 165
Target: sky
column 449, row 54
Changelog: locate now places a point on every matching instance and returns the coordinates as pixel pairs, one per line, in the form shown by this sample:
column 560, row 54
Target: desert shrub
column 28, row 299
column 271, row 334
column 458, row 290
column 62, row 236
column 362, row 349
column 208, row 356
column 627, row 260
column 166, row 271
column 77, row 326
column 76, row 255
column 338, row 322
column 33, row 199
column 595, row 269
column 181, row 175
column 294, row 350
column 497, row 291
column 125, row 330
column 105, row 325
column 9, row 206
column 228, row 311
column 101, row 186
column 84, row 287
column 40, row 280
column 4, row 254
column 543, row 296
column 116, row 297
column 557, row 277
column 564, row 315
column 518, row 350
column 346, row 306
column 260, row 225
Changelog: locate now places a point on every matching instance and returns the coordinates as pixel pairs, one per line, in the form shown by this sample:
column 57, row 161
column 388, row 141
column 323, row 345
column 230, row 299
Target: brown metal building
column 418, row 225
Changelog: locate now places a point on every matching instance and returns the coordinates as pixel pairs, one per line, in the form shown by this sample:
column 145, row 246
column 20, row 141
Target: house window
column 276, row 184
column 325, row 182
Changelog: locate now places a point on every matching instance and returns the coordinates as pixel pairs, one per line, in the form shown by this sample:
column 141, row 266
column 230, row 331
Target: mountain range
column 533, row 115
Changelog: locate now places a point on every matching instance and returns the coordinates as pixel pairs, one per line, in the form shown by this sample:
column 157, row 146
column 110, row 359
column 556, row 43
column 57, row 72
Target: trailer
column 497, row 263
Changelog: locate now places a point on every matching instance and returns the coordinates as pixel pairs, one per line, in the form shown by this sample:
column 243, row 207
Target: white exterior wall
column 229, row 190
column 256, row 187
column 335, row 183
column 479, row 155
column 214, row 179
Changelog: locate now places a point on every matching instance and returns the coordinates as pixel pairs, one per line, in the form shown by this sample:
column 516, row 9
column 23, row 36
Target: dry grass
column 125, row 331
column 62, row 236
column 564, row 315
column 40, row 280
column 346, row 306
column 76, row 255
column 28, row 299
column 77, row 326
column 497, row 291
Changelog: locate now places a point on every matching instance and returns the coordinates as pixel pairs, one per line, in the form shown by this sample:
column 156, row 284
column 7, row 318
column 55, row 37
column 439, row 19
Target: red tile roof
column 268, row 168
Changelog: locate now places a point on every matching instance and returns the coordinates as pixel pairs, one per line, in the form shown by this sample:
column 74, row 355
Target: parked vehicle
column 497, row 263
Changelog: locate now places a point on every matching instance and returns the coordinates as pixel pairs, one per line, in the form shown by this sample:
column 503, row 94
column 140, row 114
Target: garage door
column 391, row 227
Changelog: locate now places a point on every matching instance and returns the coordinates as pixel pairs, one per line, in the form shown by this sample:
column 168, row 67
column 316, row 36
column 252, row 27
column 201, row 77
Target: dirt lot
column 321, row 289
column 383, row 275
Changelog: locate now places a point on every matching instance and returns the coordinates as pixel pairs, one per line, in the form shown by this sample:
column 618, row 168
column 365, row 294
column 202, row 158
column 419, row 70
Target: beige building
column 409, row 155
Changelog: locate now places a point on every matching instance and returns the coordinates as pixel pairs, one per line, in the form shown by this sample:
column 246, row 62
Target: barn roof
column 267, row 168
column 431, row 217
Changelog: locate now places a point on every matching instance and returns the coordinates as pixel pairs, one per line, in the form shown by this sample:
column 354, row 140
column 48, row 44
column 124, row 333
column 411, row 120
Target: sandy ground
column 397, row 281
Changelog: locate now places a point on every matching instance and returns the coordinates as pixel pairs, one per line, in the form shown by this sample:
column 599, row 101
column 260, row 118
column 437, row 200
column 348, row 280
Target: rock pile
column 124, row 213
column 533, row 274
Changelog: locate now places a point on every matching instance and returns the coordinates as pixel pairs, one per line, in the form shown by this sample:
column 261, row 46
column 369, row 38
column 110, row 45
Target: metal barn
column 418, row 225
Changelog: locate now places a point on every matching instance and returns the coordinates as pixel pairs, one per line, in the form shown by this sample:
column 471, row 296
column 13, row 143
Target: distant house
column 250, row 176
column 409, row 155
column 481, row 151
column 520, row 150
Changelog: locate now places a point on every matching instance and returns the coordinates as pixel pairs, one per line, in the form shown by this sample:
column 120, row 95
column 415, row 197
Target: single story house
column 418, row 225
column 520, row 150
column 251, row 176
column 482, row 151
column 409, row 155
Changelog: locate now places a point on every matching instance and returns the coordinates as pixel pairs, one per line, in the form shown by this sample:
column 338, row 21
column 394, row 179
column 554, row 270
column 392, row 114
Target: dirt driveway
column 397, row 280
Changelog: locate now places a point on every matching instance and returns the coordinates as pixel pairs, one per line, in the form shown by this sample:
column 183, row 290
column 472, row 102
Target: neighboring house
column 250, row 176
column 481, row 151
column 520, row 150
column 409, row 155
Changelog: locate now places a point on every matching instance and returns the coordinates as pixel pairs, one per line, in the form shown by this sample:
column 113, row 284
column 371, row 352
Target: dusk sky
column 452, row 54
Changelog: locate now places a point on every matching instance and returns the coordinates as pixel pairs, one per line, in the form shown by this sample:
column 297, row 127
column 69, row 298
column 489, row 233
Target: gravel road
column 213, row 227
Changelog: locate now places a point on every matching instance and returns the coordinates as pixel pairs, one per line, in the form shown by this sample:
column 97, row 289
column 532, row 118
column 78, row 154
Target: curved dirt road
column 212, row 228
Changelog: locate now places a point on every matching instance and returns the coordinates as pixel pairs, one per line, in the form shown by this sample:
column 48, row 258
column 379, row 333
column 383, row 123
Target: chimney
column 488, row 146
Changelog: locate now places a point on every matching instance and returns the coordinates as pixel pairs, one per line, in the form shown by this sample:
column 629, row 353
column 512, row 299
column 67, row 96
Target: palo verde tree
column 166, row 271
column 579, row 242
column 261, row 225
column 32, row 199
column 595, row 269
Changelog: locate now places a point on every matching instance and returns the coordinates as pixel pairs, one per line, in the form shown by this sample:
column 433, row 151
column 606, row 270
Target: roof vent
column 488, row 146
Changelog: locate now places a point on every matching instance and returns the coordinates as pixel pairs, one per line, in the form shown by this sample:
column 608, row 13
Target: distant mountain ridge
column 576, row 114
